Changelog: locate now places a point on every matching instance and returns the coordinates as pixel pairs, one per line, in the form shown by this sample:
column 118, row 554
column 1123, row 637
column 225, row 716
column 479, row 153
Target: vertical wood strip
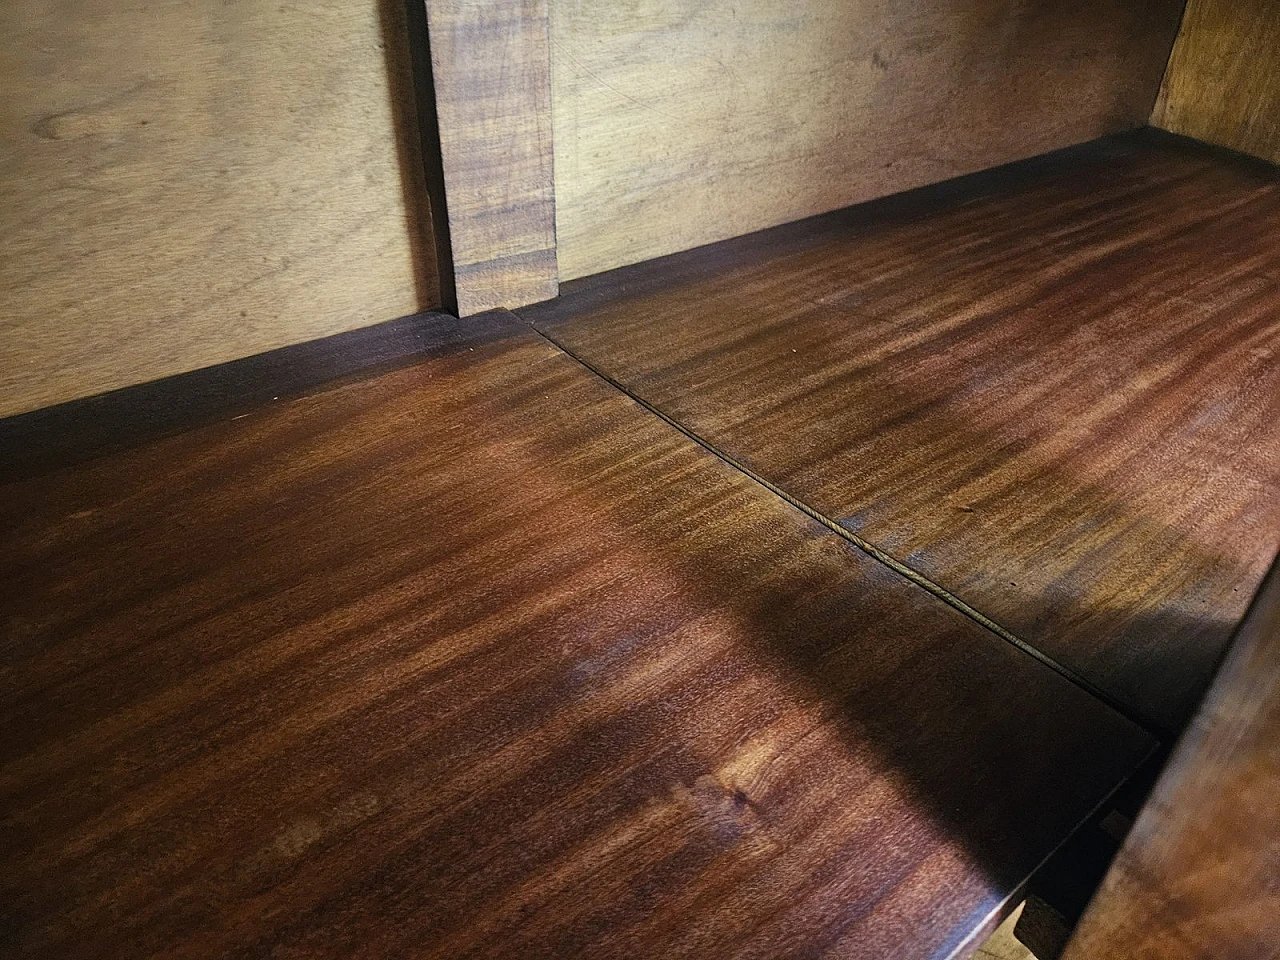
column 491, row 70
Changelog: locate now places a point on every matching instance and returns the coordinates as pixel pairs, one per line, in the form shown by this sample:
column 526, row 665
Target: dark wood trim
column 424, row 95
column 54, row 437
column 1214, row 150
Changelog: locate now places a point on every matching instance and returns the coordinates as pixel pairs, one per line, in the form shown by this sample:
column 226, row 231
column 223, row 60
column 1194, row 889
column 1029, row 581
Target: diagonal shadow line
column 893, row 563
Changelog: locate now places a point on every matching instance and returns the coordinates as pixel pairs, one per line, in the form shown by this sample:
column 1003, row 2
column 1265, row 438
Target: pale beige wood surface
column 684, row 122
column 183, row 184
column 1003, row 945
column 490, row 64
column 1223, row 81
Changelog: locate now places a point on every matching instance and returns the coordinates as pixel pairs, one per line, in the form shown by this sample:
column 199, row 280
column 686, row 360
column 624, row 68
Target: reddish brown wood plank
column 1053, row 391
column 478, row 659
column 69, row 433
column 1199, row 875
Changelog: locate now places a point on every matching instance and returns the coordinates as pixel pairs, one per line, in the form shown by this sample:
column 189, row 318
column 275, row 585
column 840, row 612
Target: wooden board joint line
column 894, row 564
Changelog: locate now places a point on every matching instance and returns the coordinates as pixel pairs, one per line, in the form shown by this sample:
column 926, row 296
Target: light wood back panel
column 1223, row 82
column 183, row 184
column 682, row 122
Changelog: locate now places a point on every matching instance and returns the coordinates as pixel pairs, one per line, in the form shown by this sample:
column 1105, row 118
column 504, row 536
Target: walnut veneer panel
column 688, row 121
column 1052, row 390
column 480, row 659
column 183, row 184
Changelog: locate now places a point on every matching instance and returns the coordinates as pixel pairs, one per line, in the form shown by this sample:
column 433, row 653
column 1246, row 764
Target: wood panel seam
column 1168, row 61
column 888, row 560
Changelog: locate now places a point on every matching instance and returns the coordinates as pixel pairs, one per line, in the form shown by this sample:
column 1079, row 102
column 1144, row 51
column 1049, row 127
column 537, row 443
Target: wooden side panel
column 490, row 66
column 681, row 123
column 1199, row 876
column 1223, row 81
column 183, row 184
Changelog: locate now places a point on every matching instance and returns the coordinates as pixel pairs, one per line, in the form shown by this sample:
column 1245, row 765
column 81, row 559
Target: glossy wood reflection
column 479, row 659
column 1053, row 390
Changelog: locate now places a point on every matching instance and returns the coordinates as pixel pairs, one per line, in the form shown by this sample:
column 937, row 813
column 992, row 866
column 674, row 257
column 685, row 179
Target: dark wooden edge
column 1061, row 888
column 1168, row 59
column 1113, row 906
column 44, row 440
column 1215, row 151
column 424, row 97
column 589, row 292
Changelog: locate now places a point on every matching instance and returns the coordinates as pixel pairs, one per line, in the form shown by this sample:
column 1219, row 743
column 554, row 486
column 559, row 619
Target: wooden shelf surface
column 478, row 658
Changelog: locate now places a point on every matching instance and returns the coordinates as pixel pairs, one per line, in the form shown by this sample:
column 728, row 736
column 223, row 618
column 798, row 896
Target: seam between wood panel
column 894, row 564
column 1168, row 64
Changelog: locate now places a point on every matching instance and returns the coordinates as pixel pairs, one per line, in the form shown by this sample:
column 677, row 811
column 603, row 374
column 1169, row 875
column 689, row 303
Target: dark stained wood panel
column 1199, row 875
column 479, row 659
column 1223, row 81
column 1052, row 390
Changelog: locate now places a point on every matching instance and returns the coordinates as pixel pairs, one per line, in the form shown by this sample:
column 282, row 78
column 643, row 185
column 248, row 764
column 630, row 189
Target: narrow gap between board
column 919, row 579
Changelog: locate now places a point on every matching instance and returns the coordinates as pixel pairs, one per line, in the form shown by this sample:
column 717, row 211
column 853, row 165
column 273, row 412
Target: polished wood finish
column 1223, row 81
column 1050, row 390
column 183, row 185
column 689, row 121
column 1199, row 875
column 55, row 437
column 478, row 658
column 490, row 65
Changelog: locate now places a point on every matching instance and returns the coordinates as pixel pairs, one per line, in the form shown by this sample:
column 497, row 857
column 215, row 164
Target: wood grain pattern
column 477, row 658
column 491, row 69
column 182, row 185
column 1223, row 81
column 55, row 437
column 685, row 122
column 1057, row 398
column 1199, row 875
